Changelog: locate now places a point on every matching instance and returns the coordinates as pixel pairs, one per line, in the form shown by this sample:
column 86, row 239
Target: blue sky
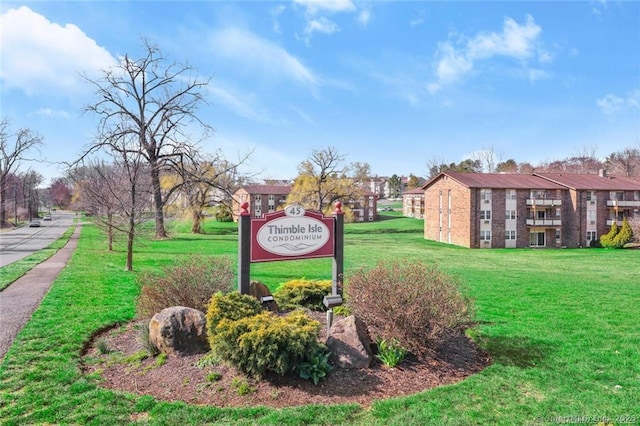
column 395, row 84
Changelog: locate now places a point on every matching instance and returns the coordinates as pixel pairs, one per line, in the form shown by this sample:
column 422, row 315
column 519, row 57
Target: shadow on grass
column 520, row 352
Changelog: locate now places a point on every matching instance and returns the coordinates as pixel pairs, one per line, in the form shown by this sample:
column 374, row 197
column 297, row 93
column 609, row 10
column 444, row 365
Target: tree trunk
column 110, row 231
column 157, row 202
column 3, row 201
column 196, row 228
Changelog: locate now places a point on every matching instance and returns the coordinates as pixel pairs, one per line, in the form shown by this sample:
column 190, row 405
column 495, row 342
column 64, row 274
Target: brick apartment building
column 270, row 198
column 488, row 210
column 413, row 203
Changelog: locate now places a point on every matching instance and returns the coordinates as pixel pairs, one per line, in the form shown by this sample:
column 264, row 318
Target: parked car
column 34, row 224
column 47, row 218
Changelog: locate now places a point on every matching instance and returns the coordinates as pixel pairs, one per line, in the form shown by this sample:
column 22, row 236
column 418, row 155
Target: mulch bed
column 181, row 379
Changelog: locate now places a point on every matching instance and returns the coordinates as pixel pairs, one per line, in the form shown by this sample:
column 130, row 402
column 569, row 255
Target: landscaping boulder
column 179, row 331
column 350, row 343
column 264, row 296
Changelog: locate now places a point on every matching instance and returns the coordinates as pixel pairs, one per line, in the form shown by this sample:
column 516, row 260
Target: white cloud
column 244, row 104
column 275, row 15
column 321, row 25
column 612, row 104
column 329, row 6
column 364, row 17
column 39, row 55
column 255, row 52
column 48, row 112
column 516, row 41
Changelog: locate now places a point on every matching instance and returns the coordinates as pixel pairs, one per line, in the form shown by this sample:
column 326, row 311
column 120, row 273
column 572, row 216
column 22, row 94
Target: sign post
column 244, row 244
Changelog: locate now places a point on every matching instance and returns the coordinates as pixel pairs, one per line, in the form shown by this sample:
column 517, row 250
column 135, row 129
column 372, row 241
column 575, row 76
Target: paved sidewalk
column 22, row 297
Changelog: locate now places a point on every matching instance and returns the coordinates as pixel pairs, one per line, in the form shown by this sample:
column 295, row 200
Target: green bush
column 266, row 342
column 190, row 283
column 302, row 293
column 416, row 303
column 230, row 306
column 625, row 235
column 223, row 213
column 606, row 240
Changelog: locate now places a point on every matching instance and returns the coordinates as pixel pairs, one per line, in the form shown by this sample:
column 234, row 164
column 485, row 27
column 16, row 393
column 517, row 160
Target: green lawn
column 561, row 326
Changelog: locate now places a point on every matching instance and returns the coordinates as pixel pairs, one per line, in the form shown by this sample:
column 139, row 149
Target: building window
column 541, row 214
column 591, row 217
column 558, row 235
column 258, row 199
column 616, row 195
column 511, row 194
column 485, row 235
column 485, row 194
column 591, row 195
column 537, row 195
column 591, row 236
column 510, row 214
column 485, row 214
column 536, row 239
column 510, row 235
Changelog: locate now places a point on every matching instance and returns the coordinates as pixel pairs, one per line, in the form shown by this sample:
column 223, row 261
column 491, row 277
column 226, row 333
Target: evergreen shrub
column 303, row 293
column 624, row 235
column 266, row 342
column 231, row 306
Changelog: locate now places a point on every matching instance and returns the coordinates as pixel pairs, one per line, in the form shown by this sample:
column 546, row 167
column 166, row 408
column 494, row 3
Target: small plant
column 230, row 306
column 207, row 361
column 242, row 387
column 390, row 352
column 161, row 360
column 103, row 347
column 316, row 368
column 214, row 376
column 146, row 341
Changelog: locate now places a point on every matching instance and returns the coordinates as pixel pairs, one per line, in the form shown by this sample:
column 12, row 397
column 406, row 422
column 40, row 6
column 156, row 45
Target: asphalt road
column 21, row 242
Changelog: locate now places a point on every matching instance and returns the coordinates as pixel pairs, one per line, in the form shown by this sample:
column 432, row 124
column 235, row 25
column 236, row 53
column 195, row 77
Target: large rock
column 179, row 331
column 350, row 343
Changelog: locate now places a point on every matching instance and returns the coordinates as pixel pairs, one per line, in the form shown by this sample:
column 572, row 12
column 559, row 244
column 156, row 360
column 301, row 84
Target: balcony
column 610, row 222
column 617, row 203
column 543, row 202
column 544, row 222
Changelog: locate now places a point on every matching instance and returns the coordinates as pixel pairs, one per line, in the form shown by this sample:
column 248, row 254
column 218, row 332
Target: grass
column 15, row 270
column 560, row 325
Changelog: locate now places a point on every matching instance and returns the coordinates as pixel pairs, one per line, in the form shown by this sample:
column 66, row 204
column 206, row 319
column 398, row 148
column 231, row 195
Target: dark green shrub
column 416, row 303
column 190, row 283
column 302, row 294
column 624, row 235
column 266, row 342
column 230, row 306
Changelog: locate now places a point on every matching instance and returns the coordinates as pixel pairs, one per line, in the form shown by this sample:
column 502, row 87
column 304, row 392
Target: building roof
column 593, row 182
column 497, row 181
column 414, row 191
column 268, row 189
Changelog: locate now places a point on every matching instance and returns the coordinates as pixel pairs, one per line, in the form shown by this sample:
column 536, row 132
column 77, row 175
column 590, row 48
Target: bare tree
column 325, row 177
column 205, row 180
column 153, row 102
column 488, row 159
column 625, row 162
column 13, row 150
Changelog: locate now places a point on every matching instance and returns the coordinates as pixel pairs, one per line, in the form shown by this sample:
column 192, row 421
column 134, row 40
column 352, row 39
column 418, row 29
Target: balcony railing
column 610, row 222
column 543, row 202
column 544, row 222
column 617, row 203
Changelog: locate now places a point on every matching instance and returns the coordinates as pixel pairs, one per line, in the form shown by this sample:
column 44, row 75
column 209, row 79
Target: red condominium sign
column 292, row 233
